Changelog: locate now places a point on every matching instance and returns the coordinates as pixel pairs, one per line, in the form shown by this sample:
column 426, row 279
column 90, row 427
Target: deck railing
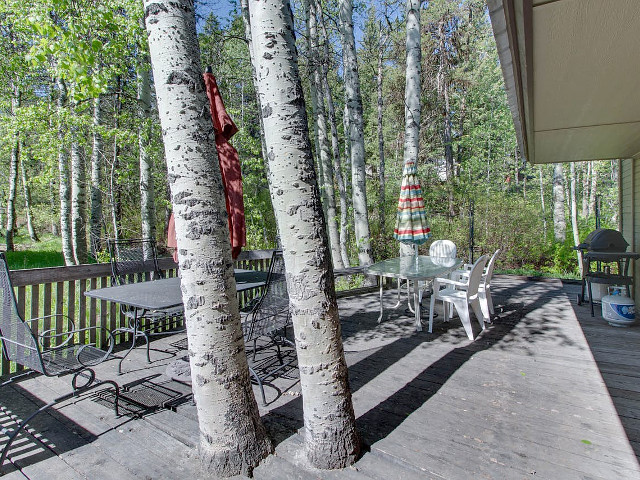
column 60, row 290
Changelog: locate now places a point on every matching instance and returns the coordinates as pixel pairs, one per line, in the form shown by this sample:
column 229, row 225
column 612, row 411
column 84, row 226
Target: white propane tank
column 618, row 310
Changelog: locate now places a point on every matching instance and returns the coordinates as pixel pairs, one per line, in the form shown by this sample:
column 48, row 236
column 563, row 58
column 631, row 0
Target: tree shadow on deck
column 514, row 328
column 49, row 434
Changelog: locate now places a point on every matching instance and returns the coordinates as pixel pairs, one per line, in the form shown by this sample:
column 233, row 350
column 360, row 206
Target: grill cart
column 601, row 250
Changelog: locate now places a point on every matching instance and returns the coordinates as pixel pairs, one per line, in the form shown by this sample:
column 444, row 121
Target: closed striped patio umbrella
column 411, row 222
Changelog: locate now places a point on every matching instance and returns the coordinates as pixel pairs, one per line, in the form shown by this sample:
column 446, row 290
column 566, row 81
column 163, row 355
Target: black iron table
column 160, row 296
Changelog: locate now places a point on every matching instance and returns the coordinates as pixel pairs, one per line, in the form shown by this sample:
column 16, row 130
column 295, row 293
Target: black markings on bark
column 154, row 9
column 195, row 302
column 187, row 78
column 178, row 197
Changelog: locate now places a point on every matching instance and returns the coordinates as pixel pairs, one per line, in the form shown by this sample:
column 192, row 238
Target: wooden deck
column 546, row 392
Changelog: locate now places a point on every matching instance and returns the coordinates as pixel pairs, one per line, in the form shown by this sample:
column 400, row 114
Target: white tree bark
column 559, row 222
column 542, row 204
column 232, row 437
column 64, row 186
column 593, row 189
column 412, row 94
column 381, row 159
column 322, row 141
column 574, row 215
column 26, row 190
column 335, row 144
column 11, row 198
column 95, row 219
column 356, row 134
column 13, row 177
column 586, row 172
column 78, row 201
column 331, row 440
column 147, row 199
column 244, row 7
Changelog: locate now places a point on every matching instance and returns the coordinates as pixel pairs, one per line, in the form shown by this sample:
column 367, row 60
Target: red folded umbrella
column 229, row 165
column 224, row 128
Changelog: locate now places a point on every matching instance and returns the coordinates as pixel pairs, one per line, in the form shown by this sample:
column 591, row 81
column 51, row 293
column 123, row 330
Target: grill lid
column 604, row 240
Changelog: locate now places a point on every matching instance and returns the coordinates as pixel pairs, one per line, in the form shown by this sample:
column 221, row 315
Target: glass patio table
column 414, row 269
column 162, row 295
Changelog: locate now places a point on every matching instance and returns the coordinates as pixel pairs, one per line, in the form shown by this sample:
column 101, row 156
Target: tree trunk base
column 333, row 451
column 233, row 462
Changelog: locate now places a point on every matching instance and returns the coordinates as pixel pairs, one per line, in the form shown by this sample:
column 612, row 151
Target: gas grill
column 606, row 248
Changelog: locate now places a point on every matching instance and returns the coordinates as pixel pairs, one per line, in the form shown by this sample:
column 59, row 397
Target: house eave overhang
column 571, row 73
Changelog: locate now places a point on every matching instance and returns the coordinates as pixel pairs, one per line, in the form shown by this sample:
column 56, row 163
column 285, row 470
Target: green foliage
column 99, row 47
column 46, row 253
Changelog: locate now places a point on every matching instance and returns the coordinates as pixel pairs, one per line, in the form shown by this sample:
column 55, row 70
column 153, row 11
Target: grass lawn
column 29, row 254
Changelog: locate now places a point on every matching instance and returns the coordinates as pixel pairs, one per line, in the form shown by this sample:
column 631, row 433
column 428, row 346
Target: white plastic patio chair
column 443, row 248
column 439, row 248
column 486, row 301
column 460, row 295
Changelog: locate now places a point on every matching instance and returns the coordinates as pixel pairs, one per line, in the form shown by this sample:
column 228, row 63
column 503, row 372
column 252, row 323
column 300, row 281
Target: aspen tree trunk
column 55, row 227
column 574, row 214
column 593, row 190
column 116, row 206
column 322, row 142
column 11, row 198
column 232, row 437
column 78, row 201
column 2, row 213
column 244, row 8
column 95, row 218
column 331, row 440
column 13, row 177
column 382, row 215
column 559, row 223
column 335, row 144
column 356, row 136
column 64, row 187
column 147, row 198
column 586, row 171
column 412, row 93
column 26, row 190
column 346, row 126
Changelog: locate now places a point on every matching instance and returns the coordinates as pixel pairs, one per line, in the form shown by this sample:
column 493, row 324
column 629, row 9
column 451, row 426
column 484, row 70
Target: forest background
column 82, row 158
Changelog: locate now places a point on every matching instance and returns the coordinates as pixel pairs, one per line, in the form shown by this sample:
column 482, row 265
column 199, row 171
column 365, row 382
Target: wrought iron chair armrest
column 71, row 333
column 42, row 336
column 107, row 352
column 53, row 315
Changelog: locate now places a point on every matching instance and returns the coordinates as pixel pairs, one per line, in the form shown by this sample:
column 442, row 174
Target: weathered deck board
column 547, row 391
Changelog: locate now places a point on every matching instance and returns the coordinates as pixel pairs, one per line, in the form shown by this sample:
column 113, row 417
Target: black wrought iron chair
column 133, row 260
column 136, row 260
column 265, row 325
column 49, row 353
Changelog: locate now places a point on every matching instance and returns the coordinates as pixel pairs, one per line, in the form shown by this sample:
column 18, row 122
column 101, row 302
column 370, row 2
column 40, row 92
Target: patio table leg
column 416, row 301
column 381, row 305
column 399, row 293
column 133, row 329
